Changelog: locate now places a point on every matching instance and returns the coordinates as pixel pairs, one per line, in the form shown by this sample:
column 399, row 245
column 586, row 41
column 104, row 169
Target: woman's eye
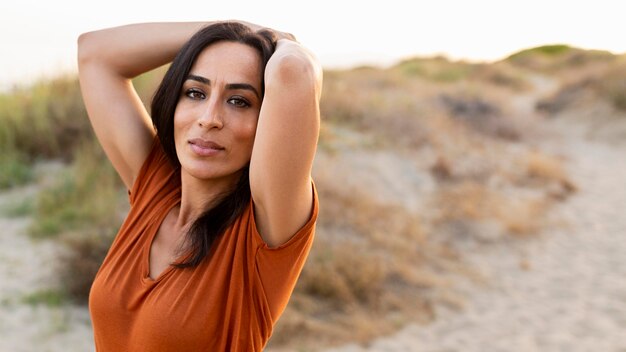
column 238, row 102
column 194, row 94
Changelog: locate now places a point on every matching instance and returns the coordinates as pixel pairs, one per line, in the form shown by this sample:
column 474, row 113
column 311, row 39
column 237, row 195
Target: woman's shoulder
column 297, row 239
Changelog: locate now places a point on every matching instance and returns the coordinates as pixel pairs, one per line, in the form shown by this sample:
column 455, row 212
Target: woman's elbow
column 86, row 47
column 295, row 70
column 82, row 45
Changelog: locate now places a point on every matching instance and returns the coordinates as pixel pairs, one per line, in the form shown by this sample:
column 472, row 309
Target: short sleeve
column 279, row 268
column 155, row 172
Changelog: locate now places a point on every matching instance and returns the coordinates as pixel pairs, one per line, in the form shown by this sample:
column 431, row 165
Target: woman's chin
column 204, row 172
column 201, row 174
column 200, row 170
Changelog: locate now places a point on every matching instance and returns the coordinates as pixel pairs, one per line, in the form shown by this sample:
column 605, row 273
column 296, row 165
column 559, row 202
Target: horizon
column 23, row 81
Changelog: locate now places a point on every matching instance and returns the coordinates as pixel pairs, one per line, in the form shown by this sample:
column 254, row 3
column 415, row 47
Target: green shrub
column 83, row 196
column 23, row 207
column 47, row 119
column 14, row 169
column 438, row 69
column 48, row 297
column 547, row 50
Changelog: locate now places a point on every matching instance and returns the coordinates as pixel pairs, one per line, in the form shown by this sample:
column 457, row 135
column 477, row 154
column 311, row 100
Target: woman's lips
column 204, row 147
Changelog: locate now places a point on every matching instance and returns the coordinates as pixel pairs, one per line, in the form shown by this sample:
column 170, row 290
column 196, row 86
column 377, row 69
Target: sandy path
column 563, row 291
column 25, row 269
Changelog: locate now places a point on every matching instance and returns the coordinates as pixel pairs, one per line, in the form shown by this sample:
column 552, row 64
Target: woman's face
column 217, row 112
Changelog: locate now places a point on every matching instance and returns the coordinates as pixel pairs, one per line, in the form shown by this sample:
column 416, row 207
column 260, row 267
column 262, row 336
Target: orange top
column 229, row 302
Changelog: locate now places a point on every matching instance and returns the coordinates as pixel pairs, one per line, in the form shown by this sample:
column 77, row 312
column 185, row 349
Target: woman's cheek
column 246, row 131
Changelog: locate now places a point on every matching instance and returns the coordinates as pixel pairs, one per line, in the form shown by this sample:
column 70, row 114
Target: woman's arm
column 107, row 60
column 285, row 143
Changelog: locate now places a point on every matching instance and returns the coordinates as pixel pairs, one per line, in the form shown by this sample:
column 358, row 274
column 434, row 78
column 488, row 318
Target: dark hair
column 214, row 221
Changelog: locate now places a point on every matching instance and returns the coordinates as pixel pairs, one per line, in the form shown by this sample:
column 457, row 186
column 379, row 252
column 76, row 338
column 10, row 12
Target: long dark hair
column 214, row 221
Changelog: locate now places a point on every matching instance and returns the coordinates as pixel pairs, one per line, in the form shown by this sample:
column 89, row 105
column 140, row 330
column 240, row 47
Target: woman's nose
column 211, row 117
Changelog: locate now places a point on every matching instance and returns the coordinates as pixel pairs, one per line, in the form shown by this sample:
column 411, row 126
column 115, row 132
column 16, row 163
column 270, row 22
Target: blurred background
column 470, row 169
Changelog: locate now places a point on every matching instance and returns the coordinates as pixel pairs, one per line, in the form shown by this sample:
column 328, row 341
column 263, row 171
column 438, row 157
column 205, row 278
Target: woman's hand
column 285, row 35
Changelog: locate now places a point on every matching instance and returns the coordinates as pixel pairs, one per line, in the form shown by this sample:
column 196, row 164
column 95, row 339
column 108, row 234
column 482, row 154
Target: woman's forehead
column 231, row 62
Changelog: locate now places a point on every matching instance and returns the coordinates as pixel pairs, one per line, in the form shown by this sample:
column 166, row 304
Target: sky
column 38, row 38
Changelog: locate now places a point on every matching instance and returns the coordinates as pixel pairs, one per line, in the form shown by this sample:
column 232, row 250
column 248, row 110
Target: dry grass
column 486, row 193
column 545, row 167
column 484, row 115
column 377, row 102
column 595, row 79
column 400, row 106
column 462, row 209
column 523, row 217
column 371, row 270
column 547, row 172
column 45, row 120
column 612, row 85
column 503, row 75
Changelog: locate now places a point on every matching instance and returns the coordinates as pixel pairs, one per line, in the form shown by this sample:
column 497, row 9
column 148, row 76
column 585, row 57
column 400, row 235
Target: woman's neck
column 198, row 195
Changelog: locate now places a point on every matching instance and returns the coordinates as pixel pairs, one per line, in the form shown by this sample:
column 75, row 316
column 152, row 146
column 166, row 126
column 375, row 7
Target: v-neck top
column 229, row 302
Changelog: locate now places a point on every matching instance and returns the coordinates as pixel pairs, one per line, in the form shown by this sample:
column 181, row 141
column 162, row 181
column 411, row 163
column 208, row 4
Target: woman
column 223, row 207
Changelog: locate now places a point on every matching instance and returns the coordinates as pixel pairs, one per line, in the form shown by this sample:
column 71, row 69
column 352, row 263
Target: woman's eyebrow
column 199, row 79
column 232, row 86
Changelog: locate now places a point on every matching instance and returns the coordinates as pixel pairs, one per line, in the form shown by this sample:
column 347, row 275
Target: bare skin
column 280, row 146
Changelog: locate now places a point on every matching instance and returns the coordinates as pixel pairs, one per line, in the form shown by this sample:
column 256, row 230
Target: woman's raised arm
column 107, row 61
column 285, row 142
